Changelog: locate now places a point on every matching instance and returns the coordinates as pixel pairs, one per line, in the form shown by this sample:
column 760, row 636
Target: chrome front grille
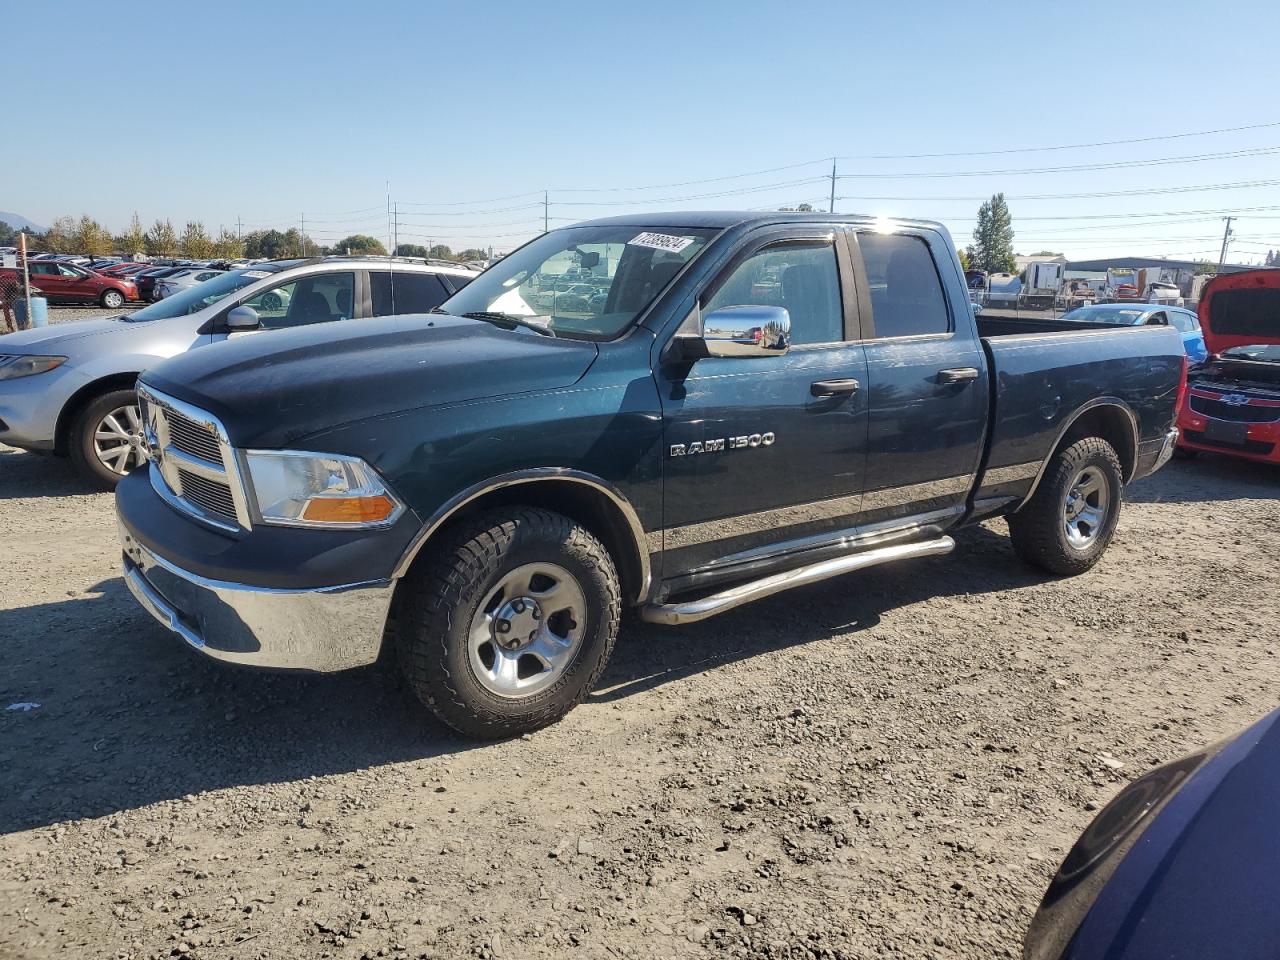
column 193, row 438
column 193, row 466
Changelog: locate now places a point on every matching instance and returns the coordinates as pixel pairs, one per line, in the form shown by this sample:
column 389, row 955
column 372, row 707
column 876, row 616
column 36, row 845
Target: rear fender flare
column 1128, row 456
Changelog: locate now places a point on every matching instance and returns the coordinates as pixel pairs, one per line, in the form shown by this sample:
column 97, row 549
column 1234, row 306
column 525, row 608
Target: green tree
column 360, row 243
column 60, row 237
column 473, row 253
column 964, row 259
column 162, row 239
column 440, row 252
column 993, row 237
column 411, row 250
column 228, row 246
column 265, row 245
column 8, row 235
column 196, row 242
column 134, row 240
column 92, row 238
column 1046, row 253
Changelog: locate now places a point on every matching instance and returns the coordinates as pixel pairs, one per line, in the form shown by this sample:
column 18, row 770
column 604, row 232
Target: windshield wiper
column 501, row 319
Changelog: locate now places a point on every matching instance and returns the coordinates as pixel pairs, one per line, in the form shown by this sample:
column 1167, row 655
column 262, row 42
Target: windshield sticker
column 256, row 274
column 660, row 241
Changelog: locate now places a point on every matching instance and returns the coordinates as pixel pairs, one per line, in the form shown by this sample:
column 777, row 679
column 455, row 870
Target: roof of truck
column 720, row 219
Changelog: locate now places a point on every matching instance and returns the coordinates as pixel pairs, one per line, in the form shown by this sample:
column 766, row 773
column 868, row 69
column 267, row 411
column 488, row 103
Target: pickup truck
column 756, row 402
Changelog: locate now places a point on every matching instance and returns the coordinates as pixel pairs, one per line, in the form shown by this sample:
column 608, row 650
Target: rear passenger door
column 927, row 402
column 393, row 292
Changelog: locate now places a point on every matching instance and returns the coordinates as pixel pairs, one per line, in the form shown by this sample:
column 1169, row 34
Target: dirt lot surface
column 887, row 765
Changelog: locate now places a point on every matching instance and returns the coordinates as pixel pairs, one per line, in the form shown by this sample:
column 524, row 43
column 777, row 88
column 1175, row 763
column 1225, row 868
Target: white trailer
column 1043, row 281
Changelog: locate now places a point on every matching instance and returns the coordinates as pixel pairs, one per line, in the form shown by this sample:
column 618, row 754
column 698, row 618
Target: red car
column 1232, row 401
column 67, row 283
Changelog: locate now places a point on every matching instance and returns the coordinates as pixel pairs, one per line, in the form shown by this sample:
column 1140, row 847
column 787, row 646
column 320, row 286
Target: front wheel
column 507, row 628
column 1068, row 523
column 112, row 299
column 106, row 440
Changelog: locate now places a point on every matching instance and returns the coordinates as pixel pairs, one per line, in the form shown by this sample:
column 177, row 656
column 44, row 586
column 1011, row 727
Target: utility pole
column 395, row 233
column 302, row 236
column 238, row 227
column 546, row 212
column 832, row 207
column 1226, row 238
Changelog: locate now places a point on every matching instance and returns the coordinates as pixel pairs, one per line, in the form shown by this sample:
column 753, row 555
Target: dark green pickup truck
column 672, row 414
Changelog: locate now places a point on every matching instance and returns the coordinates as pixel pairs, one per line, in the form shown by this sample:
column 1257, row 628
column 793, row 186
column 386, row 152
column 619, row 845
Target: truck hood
column 273, row 388
column 47, row 340
column 1238, row 309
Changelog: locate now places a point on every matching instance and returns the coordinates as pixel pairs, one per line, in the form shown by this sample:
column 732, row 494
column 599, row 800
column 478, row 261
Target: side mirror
column 976, row 308
column 243, row 318
column 747, row 331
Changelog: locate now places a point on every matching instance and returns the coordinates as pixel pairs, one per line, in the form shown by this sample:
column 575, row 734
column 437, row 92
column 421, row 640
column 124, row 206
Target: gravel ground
column 887, row 765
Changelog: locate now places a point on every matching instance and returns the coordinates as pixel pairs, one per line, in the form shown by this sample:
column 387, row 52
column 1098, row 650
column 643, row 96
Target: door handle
column 834, row 388
column 957, row 375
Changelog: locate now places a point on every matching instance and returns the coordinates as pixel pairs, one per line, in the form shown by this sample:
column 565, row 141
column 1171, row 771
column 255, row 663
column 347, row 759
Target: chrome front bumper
column 323, row 630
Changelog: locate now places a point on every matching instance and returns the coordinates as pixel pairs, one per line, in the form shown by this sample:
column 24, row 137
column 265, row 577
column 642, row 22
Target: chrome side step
column 691, row 611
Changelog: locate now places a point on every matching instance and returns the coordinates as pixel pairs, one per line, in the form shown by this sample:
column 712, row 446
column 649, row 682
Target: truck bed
column 1044, row 372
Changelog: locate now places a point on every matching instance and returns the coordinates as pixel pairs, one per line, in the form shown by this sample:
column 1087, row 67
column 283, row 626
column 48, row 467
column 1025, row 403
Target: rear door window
column 906, row 293
column 395, row 293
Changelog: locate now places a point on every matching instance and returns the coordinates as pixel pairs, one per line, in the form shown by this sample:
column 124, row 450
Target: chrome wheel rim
column 1084, row 511
column 527, row 630
column 118, row 441
column 113, row 300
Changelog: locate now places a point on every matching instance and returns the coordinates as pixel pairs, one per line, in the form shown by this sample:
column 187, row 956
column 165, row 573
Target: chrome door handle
column 957, row 375
column 834, row 388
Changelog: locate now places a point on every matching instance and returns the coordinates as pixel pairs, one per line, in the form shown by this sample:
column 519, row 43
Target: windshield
column 585, row 283
column 1266, row 352
column 1099, row 315
column 194, row 299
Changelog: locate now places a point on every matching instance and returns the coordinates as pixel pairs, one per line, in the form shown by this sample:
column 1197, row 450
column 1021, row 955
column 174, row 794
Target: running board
column 691, row 611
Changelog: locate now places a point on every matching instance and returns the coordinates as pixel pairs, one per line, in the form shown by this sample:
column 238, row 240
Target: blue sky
column 272, row 111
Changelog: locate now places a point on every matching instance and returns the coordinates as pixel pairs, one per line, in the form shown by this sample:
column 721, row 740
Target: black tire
column 1185, row 453
column 1039, row 529
column 442, row 596
column 80, row 441
column 111, row 299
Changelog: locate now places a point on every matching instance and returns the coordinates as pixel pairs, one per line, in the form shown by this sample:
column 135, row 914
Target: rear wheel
column 509, row 625
column 1068, row 523
column 106, row 439
column 112, row 299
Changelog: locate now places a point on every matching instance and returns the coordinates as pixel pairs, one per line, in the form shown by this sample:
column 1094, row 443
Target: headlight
column 13, row 366
column 319, row 490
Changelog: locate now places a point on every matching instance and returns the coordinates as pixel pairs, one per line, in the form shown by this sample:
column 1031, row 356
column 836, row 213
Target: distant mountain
column 20, row 223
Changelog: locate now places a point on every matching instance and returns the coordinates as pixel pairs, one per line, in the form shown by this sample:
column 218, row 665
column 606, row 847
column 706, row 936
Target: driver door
column 766, row 454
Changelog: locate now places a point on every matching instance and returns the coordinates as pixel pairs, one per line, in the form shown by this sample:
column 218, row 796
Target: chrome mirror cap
column 747, row 331
column 243, row 318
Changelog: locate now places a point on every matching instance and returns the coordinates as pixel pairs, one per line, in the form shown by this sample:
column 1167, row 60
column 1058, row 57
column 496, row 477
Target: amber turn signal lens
column 349, row 509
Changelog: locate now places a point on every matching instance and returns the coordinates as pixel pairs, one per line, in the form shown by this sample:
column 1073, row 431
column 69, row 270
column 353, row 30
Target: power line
column 1139, row 192
column 1063, row 146
column 1068, row 168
